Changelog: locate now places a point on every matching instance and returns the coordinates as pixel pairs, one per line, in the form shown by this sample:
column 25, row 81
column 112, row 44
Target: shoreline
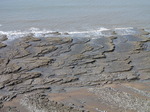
column 102, row 31
column 106, row 73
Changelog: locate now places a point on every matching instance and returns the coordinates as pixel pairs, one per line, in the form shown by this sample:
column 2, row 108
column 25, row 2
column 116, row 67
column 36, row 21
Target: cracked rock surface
column 72, row 74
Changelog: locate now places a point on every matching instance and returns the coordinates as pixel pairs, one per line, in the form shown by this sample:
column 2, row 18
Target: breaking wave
column 36, row 32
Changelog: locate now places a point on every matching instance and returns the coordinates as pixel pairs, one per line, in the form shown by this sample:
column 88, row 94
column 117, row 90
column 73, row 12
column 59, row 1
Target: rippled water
column 73, row 15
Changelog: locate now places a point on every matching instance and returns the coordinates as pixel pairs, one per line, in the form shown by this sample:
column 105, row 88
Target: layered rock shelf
column 74, row 74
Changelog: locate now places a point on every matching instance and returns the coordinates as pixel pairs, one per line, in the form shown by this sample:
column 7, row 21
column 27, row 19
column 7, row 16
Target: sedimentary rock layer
column 105, row 74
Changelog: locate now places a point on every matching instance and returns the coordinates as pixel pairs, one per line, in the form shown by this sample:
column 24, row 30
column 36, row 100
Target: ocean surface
column 84, row 16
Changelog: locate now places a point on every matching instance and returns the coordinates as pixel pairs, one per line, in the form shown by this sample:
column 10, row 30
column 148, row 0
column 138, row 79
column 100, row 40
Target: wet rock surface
column 62, row 74
column 3, row 37
column 2, row 45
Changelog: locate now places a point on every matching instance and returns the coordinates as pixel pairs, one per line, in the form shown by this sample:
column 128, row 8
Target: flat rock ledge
column 62, row 74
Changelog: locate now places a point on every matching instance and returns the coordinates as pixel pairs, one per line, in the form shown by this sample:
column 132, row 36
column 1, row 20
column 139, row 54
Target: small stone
column 66, row 33
column 81, row 106
column 31, row 63
column 12, row 68
column 109, row 82
column 122, row 77
column 22, row 53
column 2, row 45
column 144, row 74
column 59, row 40
column 56, row 33
column 71, row 107
column 99, row 56
column 87, row 48
column 43, row 50
column 3, row 37
column 143, row 32
column 144, row 77
column 61, row 105
column 30, row 39
column 87, row 61
column 132, row 77
column 118, row 66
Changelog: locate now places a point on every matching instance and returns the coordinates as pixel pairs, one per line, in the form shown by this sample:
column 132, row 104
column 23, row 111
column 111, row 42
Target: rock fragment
column 30, row 39
column 118, row 66
column 43, row 50
column 2, row 45
column 3, row 37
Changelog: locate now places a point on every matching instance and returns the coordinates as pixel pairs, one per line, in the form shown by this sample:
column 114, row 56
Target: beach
column 76, row 74
column 74, row 56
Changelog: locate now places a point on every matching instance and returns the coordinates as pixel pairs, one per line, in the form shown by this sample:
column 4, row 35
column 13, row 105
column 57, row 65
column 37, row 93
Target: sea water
column 72, row 15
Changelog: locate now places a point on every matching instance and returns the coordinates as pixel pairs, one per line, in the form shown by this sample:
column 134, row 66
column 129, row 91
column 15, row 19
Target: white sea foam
column 47, row 33
column 126, row 31
column 11, row 35
column 98, row 32
column 36, row 32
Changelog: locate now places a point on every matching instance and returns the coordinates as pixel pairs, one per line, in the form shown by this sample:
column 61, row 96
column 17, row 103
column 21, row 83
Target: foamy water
column 80, row 18
column 98, row 33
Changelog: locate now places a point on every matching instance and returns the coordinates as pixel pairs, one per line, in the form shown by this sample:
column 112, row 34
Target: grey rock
column 132, row 77
column 43, row 50
column 30, row 39
column 3, row 37
column 118, row 66
column 2, row 45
